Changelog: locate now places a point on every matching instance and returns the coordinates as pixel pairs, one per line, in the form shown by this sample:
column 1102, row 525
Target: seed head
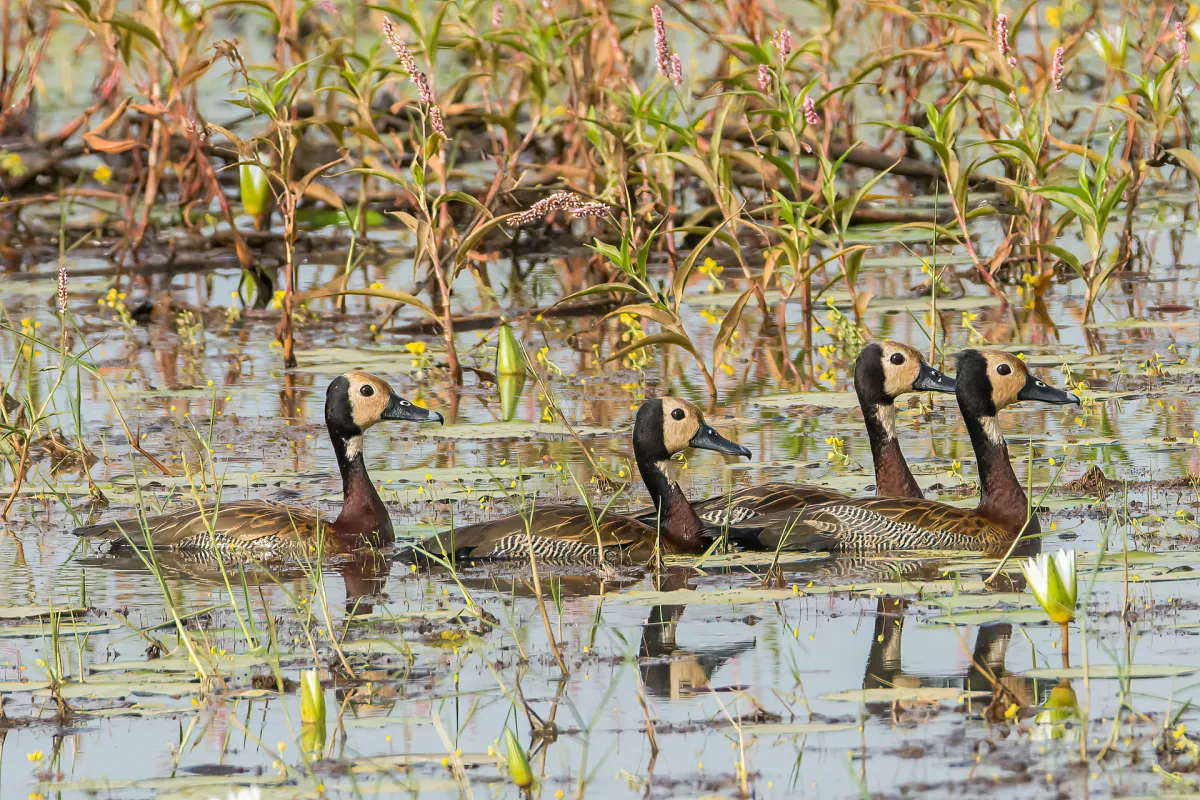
column 764, row 77
column 1058, row 70
column 810, row 112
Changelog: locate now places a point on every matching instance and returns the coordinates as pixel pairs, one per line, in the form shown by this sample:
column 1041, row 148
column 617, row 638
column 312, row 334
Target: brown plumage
column 567, row 533
column 353, row 403
column 883, row 372
column 987, row 382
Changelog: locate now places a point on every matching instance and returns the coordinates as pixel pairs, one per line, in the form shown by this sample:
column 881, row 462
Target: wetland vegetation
column 531, row 218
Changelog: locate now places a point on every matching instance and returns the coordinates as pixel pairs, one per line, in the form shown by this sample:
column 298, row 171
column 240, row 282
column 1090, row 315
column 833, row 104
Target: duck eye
column 1004, row 369
column 678, row 414
column 367, row 390
column 897, row 359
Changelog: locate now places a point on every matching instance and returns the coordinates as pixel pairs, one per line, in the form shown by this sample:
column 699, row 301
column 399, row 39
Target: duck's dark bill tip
column 708, row 439
column 400, row 410
column 933, row 380
column 1038, row 391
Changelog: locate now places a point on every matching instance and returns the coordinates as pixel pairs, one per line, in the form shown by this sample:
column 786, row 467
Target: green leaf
column 136, row 28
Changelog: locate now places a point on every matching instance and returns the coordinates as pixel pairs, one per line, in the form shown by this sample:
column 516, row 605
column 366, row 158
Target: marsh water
column 735, row 665
column 724, row 676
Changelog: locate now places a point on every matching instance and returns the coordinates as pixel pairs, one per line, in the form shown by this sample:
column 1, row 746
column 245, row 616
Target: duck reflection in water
column 364, row 574
column 885, row 666
column 669, row 671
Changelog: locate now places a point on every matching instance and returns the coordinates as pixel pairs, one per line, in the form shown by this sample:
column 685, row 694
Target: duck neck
column 363, row 512
column 678, row 522
column 893, row 478
column 1002, row 499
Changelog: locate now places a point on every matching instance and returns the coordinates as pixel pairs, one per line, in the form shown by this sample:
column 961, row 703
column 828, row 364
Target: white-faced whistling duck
column 566, row 534
column 986, row 383
column 883, row 372
column 353, row 403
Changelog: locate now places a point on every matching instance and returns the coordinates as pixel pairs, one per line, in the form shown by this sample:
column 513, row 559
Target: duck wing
column 748, row 506
column 879, row 524
column 559, row 534
column 238, row 523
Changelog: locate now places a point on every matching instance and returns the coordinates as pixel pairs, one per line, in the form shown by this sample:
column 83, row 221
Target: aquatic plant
column 1053, row 581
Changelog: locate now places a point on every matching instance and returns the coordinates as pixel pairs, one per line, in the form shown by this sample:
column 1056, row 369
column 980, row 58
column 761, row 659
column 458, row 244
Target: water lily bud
column 256, row 189
column 312, row 698
column 518, row 762
column 511, row 387
column 509, row 358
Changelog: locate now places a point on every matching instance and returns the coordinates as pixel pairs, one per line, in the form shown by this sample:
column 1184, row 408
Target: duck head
column 991, row 380
column 886, row 370
column 668, row 425
column 357, row 400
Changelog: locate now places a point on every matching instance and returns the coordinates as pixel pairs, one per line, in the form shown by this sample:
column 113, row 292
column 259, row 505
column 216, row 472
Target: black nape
column 869, row 379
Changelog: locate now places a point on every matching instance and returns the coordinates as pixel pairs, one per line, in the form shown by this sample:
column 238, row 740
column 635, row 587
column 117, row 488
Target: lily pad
column 336, row 360
column 817, row 399
column 13, row 687
column 1113, row 671
column 795, row 728
column 33, row 612
column 1017, row 616
column 97, row 690
column 937, row 694
column 516, row 429
column 67, row 627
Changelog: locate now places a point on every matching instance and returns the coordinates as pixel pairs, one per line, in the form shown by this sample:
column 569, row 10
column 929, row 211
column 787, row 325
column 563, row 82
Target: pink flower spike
column 810, row 112
column 1058, row 70
column 62, row 289
column 1181, row 40
column 1002, row 34
column 782, row 39
column 662, row 50
column 676, row 70
column 764, row 77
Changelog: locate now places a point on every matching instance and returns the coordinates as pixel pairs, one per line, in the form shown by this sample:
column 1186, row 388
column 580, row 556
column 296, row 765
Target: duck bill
column 1042, row 392
column 933, row 380
column 708, row 439
column 400, row 410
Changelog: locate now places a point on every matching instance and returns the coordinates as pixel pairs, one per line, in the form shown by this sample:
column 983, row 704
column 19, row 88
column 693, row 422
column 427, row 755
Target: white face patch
column 886, row 414
column 991, row 427
column 353, row 447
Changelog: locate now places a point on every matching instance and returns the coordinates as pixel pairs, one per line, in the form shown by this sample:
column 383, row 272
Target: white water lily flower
column 1054, row 583
column 246, row 793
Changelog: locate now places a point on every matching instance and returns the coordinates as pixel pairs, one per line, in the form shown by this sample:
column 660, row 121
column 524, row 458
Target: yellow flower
column 416, row 348
column 102, row 174
column 1054, row 16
